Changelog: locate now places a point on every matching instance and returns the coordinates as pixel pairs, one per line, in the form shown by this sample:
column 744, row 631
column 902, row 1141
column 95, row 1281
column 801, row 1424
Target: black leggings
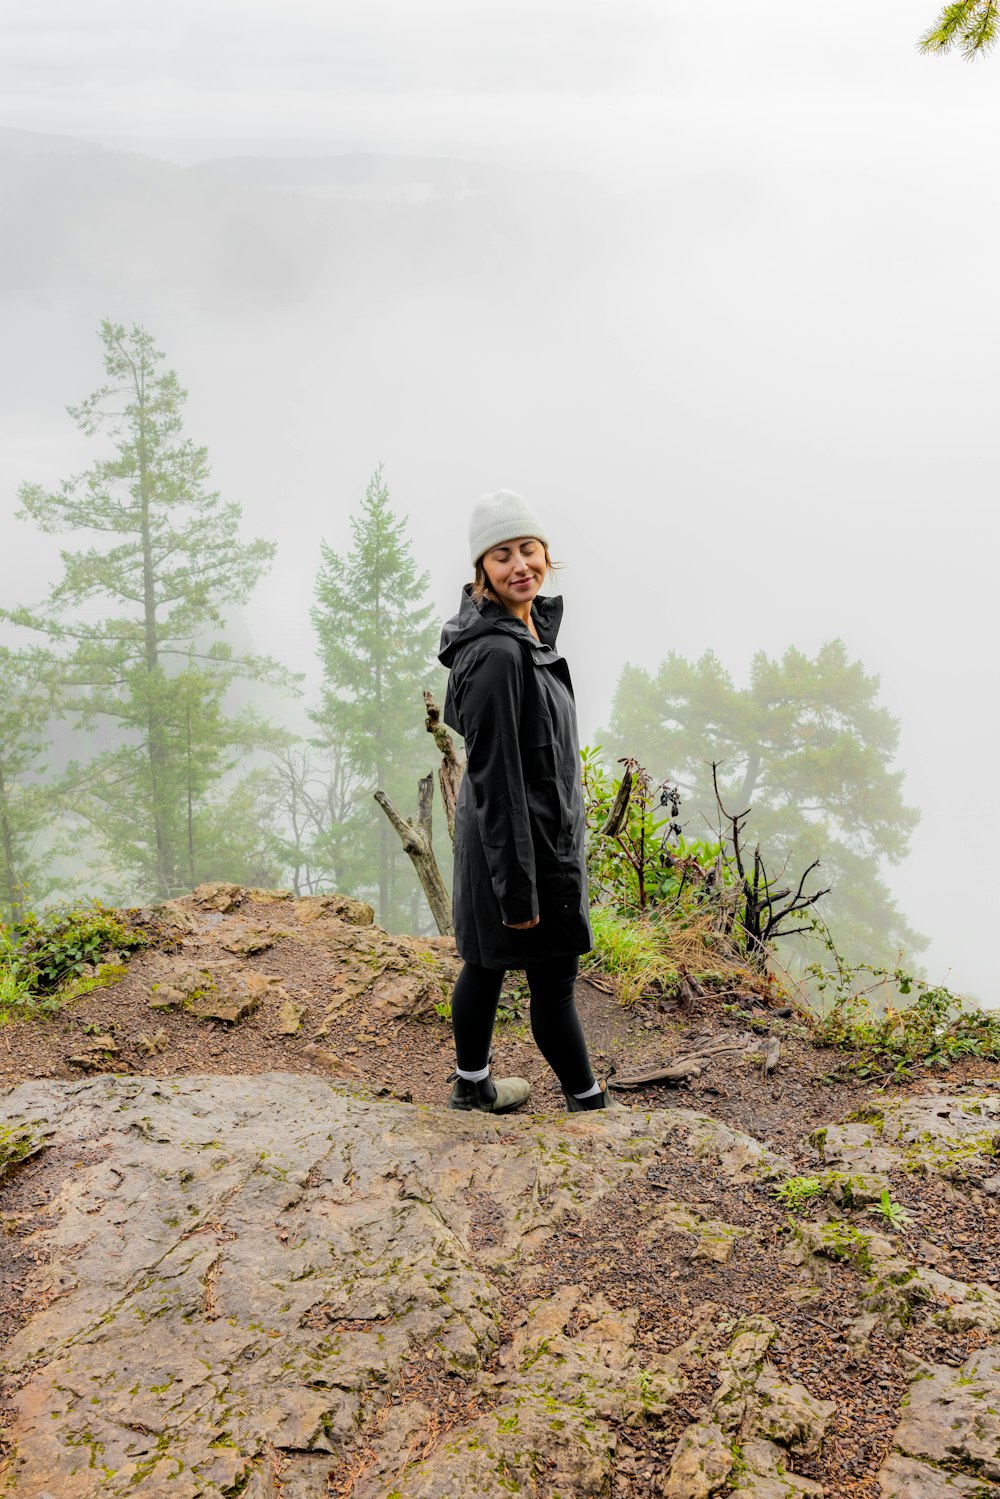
column 555, row 1024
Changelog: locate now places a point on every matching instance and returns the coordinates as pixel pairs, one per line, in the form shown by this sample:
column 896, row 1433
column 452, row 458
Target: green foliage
column 971, row 26
column 377, row 642
column 48, row 960
column 62, row 944
column 515, row 997
column 807, row 744
column 161, row 551
column 889, row 1023
column 632, row 952
column 892, row 1212
column 669, row 906
column 797, row 1192
column 27, row 802
column 638, row 858
column 16, row 994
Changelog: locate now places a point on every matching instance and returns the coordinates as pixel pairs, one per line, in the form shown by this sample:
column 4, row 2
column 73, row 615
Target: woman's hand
column 522, row 926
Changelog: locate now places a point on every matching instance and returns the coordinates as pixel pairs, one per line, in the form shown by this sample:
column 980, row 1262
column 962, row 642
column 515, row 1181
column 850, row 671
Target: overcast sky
column 586, row 83
column 795, row 400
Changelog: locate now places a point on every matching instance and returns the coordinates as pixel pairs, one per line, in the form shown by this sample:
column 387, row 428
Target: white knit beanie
column 500, row 517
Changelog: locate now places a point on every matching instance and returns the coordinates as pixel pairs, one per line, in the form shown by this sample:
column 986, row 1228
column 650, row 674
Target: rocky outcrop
column 239, row 1277
column 754, row 1427
column 957, row 1138
column 948, row 1441
column 282, row 1285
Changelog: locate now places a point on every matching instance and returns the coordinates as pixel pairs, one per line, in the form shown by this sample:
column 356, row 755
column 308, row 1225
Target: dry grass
column 652, row 958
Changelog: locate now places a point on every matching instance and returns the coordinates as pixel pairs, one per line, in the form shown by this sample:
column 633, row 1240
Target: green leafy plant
column 514, row 998
column 47, row 960
column 666, row 909
column 798, row 1192
column 890, row 1022
column 638, row 859
column 892, row 1212
column 16, row 996
column 631, row 952
column 64, row 944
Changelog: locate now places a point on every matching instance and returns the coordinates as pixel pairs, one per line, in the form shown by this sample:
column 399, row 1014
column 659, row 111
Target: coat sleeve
column 489, row 696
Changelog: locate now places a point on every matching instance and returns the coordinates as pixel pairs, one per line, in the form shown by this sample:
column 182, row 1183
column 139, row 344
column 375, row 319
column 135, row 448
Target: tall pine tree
column 377, row 643
column 165, row 558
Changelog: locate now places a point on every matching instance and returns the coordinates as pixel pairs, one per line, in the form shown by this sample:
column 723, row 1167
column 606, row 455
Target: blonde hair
column 481, row 583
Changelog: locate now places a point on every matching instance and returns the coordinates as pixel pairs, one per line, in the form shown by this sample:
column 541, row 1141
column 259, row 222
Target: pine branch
column 972, row 26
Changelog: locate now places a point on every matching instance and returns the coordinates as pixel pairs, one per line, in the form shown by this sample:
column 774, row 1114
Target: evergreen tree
column 807, row 745
column 168, row 558
column 27, row 803
column 377, row 643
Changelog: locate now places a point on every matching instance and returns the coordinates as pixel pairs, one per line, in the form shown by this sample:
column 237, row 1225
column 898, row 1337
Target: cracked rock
column 949, row 1431
column 753, row 1423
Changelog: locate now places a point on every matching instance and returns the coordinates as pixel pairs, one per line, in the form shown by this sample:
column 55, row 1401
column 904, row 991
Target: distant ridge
column 37, row 143
column 374, row 175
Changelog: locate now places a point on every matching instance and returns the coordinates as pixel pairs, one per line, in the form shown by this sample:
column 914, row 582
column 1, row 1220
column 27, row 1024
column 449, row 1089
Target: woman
column 520, row 893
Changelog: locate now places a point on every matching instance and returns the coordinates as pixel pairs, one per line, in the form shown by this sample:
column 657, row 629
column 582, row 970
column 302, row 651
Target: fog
column 712, row 288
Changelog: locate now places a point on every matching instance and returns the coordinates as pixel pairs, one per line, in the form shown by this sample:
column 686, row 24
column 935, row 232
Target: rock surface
column 238, row 1276
column 948, row 1441
column 260, row 1272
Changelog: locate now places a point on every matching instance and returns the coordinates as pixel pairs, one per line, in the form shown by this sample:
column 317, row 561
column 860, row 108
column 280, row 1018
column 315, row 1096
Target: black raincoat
column 519, row 823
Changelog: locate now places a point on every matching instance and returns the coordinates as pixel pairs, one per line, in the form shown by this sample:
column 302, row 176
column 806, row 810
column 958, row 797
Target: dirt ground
column 410, row 1057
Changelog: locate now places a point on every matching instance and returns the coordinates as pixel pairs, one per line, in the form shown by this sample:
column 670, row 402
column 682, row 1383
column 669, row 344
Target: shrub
column 888, row 1037
column 62, row 944
column 48, row 959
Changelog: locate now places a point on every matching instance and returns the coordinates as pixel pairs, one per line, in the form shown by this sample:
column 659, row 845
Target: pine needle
column 971, row 25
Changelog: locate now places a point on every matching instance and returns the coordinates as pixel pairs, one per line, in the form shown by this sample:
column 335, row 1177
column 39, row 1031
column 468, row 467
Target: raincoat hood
column 488, row 617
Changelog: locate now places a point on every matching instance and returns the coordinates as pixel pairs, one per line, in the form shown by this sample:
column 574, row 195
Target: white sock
column 473, row 1077
column 590, row 1092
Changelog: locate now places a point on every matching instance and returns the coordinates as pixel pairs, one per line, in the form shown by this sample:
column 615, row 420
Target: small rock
column 232, row 1008
column 261, row 984
column 169, row 915
column 218, row 896
column 93, row 1059
column 179, row 983
column 326, row 1058
column 343, row 907
column 247, row 941
column 290, row 1018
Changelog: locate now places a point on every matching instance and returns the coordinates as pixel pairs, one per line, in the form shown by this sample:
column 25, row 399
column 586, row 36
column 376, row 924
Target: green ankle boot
column 602, row 1100
column 489, row 1097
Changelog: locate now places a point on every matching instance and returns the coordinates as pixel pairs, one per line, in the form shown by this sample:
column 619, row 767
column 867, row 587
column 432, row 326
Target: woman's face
column 516, row 571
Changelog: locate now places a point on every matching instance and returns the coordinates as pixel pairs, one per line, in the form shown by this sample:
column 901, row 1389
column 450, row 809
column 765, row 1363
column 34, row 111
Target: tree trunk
column 155, row 745
column 452, row 768
column 190, row 801
column 746, row 791
column 11, row 896
column 416, row 841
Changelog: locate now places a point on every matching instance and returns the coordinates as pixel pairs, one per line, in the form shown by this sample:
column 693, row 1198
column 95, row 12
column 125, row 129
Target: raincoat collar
column 487, row 616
